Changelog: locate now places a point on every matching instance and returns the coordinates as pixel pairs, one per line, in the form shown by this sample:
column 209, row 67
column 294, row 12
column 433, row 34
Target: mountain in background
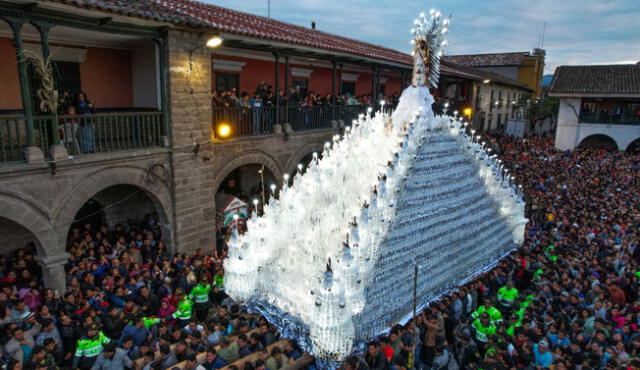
column 546, row 80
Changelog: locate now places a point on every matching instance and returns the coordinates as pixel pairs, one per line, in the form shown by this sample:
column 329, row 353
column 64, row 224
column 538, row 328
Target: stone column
column 53, row 270
column 189, row 107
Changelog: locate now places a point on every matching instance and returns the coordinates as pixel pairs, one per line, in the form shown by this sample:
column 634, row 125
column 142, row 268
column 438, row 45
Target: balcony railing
column 260, row 120
column 607, row 118
column 82, row 134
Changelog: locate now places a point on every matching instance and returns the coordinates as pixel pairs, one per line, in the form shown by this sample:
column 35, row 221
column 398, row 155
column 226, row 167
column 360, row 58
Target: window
column 348, row 87
column 301, row 85
column 227, row 81
column 491, row 103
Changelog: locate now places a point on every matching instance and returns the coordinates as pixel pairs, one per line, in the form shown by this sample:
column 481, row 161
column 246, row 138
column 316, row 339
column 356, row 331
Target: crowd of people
column 266, row 96
column 567, row 298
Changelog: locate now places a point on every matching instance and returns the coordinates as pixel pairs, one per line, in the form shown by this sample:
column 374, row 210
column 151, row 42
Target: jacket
column 14, row 349
column 118, row 361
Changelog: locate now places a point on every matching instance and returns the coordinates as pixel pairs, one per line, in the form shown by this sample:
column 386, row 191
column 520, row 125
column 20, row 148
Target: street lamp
column 223, row 130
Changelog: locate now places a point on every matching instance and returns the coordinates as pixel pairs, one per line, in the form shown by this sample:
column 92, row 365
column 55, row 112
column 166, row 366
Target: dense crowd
column 568, row 298
column 266, row 96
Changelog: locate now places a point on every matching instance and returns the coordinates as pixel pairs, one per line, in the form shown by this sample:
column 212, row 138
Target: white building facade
column 599, row 106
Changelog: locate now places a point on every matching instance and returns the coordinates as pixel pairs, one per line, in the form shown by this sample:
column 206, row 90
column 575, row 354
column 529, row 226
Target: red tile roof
column 197, row 14
column 488, row 60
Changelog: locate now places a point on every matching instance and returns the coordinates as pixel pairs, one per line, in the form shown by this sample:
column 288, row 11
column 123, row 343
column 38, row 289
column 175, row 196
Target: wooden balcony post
column 43, row 29
column 16, row 27
column 277, row 84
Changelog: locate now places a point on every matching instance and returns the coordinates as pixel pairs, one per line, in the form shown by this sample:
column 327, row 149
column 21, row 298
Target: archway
column 122, row 210
column 598, row 141
column 634, row 147
column 248, row 182
column 15, row 237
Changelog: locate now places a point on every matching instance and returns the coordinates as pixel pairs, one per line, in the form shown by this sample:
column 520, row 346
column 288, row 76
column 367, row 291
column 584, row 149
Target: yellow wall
column 530, row 73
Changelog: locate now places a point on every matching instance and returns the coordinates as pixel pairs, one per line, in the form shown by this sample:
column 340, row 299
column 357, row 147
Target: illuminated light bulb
column 446, row 105
column 236, row 217
column 354, row 122
column 446, row 22
column 382, row 102
column 300, row 166
column 412, row 42
column 255, row 203
column 361, row 116
column 347, row 129
column 327, row 145
column 315, row 155
column 432, row 11
column 478, row 137
column 455, row 113
column 273, row 188
column 413, row 31
column 422, row 15
column 416, row 22
column 369, row 110
column 445, row 30
column 286, row 178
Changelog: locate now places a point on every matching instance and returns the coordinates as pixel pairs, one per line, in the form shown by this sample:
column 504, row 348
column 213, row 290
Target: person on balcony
column 85, row 107
column 68, row 129
column 257, row 112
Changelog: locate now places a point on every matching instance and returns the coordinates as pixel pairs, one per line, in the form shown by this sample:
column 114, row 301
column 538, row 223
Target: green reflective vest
column 493, row 313
column 506, row 294
column 150, row 321
column 200, row 293
column 549, row 252
column 183, row 311
column 91, row 347
column 483, row 332
column 537, row 273
column 218, row 281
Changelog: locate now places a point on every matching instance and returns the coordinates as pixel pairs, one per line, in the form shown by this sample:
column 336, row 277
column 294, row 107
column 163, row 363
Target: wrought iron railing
column 261, row 120
column 81, row 134
column 609, row 118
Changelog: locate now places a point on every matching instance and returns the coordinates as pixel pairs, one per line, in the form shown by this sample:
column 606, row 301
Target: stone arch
column 251, row 157
column 32, row 225
column 71, row 201
column 599, row 141
column 302, row 152
column 30, row 217
column 634, row 146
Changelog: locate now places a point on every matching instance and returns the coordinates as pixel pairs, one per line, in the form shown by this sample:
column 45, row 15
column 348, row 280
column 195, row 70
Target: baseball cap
column 543, row 343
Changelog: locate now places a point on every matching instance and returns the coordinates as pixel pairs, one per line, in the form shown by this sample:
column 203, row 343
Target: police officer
column 184, row 308
column 89, row 347
column 200, row 296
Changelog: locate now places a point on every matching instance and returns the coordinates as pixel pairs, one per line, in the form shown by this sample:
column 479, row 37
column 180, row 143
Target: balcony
column 260, row 121
column 82, row 134
column 610, row 119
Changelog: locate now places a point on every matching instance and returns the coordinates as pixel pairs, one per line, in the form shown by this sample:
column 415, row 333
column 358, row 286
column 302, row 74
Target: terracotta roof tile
column 621, row 79
column 488, row 60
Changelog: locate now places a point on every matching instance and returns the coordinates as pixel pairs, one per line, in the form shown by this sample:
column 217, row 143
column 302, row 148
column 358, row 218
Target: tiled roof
column 197, row 14
column 481, row 75
column 200, row 15
column 621, row 79
column 488, row 60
